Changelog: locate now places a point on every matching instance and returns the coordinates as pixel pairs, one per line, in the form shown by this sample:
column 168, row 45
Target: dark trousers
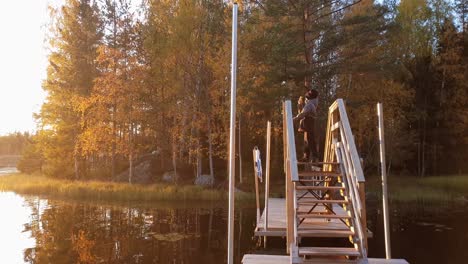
column 310, row 145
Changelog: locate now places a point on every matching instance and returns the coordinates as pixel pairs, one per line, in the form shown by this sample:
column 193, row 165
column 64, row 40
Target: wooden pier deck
column 272, row 259
column 277, row 220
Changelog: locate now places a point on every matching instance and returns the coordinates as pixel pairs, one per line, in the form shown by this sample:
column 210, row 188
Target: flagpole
column 232, row 137
column 383, row 169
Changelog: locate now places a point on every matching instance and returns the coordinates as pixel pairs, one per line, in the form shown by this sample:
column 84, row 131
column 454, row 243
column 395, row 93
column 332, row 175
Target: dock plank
column 275, row 259
column 277, row 220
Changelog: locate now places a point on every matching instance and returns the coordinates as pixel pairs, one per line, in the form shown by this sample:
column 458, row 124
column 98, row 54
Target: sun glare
column 14, row 239
column 23, row 62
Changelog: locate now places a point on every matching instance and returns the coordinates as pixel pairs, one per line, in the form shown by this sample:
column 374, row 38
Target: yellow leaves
column 83, row 246
column 239, row 3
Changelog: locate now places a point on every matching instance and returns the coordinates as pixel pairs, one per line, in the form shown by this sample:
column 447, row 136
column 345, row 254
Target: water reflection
column 423, row 233
column 14, row 238
column 35, row 230
column 7, row 170
column 67, row 232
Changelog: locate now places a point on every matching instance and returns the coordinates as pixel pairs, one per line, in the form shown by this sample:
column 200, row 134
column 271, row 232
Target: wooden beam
column 362, row 194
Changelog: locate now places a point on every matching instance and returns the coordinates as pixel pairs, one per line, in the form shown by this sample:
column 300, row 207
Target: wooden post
column 384, row 181
column 267, row 179
column 285, row 139
column 294, row 254
column 362, row 196
column 289, row 209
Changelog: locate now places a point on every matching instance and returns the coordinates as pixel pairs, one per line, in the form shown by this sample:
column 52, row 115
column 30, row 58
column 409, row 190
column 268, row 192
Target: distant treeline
column 125, row 81
column 20, row 150
column 11, row 147
column 14, row 143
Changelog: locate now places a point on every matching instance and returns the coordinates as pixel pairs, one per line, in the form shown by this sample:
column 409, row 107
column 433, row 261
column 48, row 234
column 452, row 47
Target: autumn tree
column 76, row 33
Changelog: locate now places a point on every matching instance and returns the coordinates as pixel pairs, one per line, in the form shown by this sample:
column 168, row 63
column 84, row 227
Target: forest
column 127, row 81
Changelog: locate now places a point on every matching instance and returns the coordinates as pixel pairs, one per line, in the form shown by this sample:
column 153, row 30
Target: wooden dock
column 272, row 259
column 323, row 200
column 277, row 220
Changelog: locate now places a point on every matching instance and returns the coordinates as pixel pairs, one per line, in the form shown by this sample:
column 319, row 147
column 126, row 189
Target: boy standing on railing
column 307, row 116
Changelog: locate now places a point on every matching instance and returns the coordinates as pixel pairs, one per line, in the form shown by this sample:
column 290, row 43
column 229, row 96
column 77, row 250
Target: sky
column 23, row 62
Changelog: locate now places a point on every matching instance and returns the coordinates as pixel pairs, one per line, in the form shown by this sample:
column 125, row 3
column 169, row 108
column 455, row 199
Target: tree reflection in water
column 68, row 232
column 72, row 232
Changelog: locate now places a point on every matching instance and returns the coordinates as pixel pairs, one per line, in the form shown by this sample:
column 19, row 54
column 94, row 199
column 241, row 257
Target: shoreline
column 112, row 191
column 433, row 189
column 443, row 189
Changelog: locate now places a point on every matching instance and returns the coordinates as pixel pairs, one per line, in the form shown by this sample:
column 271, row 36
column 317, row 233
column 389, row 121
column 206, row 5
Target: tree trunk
column 423, row 152
column 77, row 165
column 130, row 170
column 199, row 160
column 130, row 156
column 210, row 227
column 114, row 138
column 174, row 160
column 210, row 149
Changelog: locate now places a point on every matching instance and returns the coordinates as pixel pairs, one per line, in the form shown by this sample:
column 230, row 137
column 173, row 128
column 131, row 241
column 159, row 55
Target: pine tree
column 76, row 34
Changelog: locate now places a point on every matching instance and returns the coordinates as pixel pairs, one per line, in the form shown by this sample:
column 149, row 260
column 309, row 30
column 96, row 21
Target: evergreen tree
column 76, row 34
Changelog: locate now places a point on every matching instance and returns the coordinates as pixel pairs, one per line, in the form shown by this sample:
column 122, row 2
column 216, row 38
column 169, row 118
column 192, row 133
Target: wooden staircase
column 329, row 193
column 323, row 196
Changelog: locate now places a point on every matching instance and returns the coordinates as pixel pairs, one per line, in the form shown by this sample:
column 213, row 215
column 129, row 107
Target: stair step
column 324, row 260
column 320, row 188
column 325, row 233
column 319, row 174
column 324, row 216
column 305, row 201
column 328, row 251
column 314, row 180
column 317, row 163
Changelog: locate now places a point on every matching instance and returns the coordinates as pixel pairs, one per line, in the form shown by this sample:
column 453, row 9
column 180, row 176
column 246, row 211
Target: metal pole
column 384, row 181
column 232, row 138
column 267, row 181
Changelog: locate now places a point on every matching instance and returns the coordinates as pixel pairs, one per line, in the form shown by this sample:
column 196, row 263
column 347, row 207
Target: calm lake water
column 37, row 230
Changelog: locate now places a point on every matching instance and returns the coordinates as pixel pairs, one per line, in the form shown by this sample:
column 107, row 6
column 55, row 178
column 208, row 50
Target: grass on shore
column 400, row 189
column 110, row 191
column 428, row 189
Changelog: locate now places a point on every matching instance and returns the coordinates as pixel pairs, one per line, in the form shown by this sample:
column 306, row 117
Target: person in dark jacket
column 308, row 115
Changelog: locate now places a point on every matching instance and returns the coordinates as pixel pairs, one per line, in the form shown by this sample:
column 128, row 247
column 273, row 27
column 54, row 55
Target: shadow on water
column 74, row 232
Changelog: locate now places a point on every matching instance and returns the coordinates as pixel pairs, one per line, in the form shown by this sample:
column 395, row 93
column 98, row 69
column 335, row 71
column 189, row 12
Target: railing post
column 363, row 213
column 267, row 180
column 289, row 209
column 285, row 139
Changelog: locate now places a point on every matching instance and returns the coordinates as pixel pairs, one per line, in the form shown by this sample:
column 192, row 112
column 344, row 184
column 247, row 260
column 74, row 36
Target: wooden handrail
column 291, row 174
column 354, row 196
column 350, row 139
column 336, row 115
column 290, row 141
column 339, row 131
